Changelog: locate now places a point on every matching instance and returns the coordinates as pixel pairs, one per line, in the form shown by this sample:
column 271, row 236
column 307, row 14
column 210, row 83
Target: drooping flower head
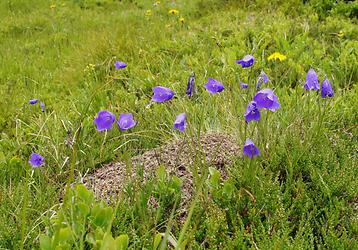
column 312, row 82
column 120, row 65
column 104, row 120
column 126, row 121
column 180, row 122
column 250, row 149
column 277, row 56
column 252, row 113
column 42, row 105
column 162, row 94
column 247, row 61
column 263, row 78
column 33, row 101
column 244, row 85
column 191, row 86
column 213, row 86
column 266, row 99
column 36, row 160
column 326, row 90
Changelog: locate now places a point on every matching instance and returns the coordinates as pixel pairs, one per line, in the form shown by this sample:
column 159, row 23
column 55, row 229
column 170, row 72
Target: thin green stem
column 24, row 208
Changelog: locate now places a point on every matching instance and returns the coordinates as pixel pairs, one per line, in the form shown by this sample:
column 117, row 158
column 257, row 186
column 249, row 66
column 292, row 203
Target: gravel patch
column 215, row 149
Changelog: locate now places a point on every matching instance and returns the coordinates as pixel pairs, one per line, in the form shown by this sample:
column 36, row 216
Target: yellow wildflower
column 340, row 34
column 277, row 55
column 148, row 13
column 173, row 12
column 52, row 6
column 182, row 20
column 157, row 2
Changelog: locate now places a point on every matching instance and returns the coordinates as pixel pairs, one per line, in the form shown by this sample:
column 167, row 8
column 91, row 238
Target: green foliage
column 82, row 222
column 301, row 193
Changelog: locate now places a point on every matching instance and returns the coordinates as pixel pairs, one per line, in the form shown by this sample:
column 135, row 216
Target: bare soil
column 215, row 149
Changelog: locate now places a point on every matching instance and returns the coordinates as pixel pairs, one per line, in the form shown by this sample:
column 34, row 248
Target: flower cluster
column 312, row 83
column 277, row 56
column 263, row 99
column 105, row 120
column 35, row 101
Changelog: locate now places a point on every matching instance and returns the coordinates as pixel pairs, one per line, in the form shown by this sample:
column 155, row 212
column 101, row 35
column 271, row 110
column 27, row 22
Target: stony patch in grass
column 179, row 158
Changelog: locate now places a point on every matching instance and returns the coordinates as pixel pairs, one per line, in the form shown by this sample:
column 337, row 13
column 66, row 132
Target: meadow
column 301, row 192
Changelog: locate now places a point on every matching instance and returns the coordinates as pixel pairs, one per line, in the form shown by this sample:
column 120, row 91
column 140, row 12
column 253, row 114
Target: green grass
column 305, row 186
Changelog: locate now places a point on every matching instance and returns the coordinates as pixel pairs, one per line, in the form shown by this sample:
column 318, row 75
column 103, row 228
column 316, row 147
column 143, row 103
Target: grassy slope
column 305, row 181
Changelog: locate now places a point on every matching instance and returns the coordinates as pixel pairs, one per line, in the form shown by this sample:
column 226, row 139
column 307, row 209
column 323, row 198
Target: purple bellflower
column 213, row 86
column 191, row 86
column 36, row 160
column 42, row 106
column 104, row 120
column 263, row 78
column 126, row 121
column 247, row 61
column 252, row 113
column 33, row 101
column 326, row 90
column 312, row 82
column 250, row 149
column 120, row 65
column 244, row 85
column 162, row 94
column 266, row 99
column 180, row 122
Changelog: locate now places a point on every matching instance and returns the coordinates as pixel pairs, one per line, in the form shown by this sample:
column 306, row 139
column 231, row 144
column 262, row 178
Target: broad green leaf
column 157, row 239
column 122, row 242
column 45, row 242
column 65, row 234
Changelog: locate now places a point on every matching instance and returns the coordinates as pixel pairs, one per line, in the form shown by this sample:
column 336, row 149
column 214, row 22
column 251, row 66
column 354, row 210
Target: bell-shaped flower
column 246, row 61
column 250, row 149
column 126, row 121
column 180, row 122
column 252, row 113
column 162, row 94
column 104, row 120
column 326, row 90
column 265, row 98
column 312, row 82
column 213, row 86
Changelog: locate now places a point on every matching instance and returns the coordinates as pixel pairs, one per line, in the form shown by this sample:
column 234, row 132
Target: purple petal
column 180, row 122
column 246, row 62
column 33, row 101
column 42, row 106
column 264, row 77
column 190, row 86
column 104, row 120
column 327, row 90
column 120, row 65
column 36, row 160
column 250, row 149
column 126, row 121
column 267, row 99
column 162, row 94
column 312, row 82
column 252, row 113
column 213, row 86
column 244, row 85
